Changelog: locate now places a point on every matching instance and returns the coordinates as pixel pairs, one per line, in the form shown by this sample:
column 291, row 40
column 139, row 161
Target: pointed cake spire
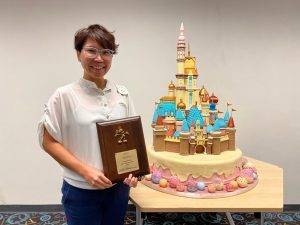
column 181, row 27
column 231, row 122
column 159, row 120
column 181, row 38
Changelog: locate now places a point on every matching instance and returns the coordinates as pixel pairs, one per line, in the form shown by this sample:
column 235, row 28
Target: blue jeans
column 95, row 207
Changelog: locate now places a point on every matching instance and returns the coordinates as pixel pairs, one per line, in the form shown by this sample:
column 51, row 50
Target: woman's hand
column 131, row 181
column 96, row 178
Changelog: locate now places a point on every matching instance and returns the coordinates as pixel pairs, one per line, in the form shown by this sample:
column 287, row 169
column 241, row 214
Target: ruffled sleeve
column 51, row 119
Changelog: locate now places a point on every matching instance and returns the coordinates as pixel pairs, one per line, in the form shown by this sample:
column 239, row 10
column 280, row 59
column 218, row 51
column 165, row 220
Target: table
column 267, row 196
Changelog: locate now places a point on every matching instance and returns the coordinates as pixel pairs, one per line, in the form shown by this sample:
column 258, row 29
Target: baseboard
column 41, row 208
column 59, row 208
column 31, row 208
column 291, row 208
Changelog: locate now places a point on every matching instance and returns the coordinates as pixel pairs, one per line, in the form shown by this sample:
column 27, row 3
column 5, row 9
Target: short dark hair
column 98, row 33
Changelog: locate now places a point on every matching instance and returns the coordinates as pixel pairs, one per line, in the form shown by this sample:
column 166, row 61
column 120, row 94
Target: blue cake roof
column 155, row 116
column 176, row 133
column 227, row 116
column 185, row 126
column 194, row 114
column 166, row 108
column 179, row 115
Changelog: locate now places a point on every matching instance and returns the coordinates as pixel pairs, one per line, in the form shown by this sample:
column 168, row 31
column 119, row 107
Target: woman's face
column 94, row 68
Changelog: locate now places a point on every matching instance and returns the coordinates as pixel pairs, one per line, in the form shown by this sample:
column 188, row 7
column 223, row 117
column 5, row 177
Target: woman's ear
column 78, row 55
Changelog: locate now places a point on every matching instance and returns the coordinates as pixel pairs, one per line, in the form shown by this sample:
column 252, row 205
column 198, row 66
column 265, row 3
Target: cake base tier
column 202, row 167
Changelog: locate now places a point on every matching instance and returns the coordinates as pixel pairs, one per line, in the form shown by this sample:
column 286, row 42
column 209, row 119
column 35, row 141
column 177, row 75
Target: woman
column 68, row 133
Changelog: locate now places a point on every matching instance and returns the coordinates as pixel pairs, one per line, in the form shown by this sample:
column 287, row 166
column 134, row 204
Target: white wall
column 248, row 53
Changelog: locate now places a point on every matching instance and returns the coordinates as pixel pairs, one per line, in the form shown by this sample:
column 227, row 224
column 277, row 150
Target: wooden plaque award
column 123, row 148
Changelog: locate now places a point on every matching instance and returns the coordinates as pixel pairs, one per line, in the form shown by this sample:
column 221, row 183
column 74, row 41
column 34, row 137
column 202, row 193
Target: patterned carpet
column 58, row 218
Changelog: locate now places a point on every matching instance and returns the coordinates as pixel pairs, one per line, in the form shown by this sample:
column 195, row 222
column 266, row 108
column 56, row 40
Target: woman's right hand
column 96, row 178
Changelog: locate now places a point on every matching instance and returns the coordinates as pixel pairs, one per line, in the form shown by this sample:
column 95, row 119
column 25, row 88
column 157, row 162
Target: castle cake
column 194, row 152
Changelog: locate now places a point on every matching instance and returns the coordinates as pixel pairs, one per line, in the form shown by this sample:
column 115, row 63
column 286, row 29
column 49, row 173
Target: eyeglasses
column 92, row 53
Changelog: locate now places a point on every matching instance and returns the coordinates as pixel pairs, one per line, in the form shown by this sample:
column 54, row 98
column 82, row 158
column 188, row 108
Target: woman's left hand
column 131, row 181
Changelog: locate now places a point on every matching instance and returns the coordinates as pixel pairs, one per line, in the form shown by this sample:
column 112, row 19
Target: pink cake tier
column 200, row 175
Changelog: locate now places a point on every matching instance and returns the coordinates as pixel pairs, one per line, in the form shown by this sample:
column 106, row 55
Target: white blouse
column 70, row 117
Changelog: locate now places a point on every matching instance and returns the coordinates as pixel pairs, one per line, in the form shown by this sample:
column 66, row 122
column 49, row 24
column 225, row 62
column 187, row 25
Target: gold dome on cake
column 181, row 105
column 171, row 85
column 203, row 94
column 203, row 91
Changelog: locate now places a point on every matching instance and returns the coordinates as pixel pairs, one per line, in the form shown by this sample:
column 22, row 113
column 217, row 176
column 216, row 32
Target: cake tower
column 194, row 152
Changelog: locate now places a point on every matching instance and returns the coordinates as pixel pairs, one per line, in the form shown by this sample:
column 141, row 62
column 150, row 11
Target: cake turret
column 231, row 132
column 181, row 52
column 180, row 87
column 184, row 139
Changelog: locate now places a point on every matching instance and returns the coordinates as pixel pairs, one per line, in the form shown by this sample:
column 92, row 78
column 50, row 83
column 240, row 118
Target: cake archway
column 200, row 149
